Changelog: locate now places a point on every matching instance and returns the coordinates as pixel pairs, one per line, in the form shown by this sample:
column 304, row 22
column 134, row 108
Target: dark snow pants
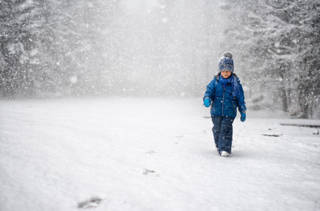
column 222, row 132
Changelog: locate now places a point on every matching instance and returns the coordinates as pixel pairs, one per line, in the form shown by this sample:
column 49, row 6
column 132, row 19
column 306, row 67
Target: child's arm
column 240, row 97
column 210, row 90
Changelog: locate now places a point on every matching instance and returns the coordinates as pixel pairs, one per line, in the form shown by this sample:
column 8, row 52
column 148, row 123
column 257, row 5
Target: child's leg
column 225, row 138
column 230, row 136
column 216, row 120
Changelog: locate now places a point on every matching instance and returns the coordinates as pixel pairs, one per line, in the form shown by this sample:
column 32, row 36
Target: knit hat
column 226, row 62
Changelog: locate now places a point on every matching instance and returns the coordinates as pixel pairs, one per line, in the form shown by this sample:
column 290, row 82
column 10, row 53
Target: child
column 224, row 93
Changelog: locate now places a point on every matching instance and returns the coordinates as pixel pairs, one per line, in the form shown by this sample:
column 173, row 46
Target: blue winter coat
column 225, row 97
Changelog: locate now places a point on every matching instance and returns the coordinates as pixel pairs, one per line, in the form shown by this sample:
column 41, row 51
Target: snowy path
column 149, row 154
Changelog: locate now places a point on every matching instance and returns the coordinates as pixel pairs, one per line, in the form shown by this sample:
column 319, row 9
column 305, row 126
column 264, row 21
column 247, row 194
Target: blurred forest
column 278, row 43
column 55, row 48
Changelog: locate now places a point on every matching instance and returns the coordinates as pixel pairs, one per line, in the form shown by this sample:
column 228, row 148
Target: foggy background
column 57, row 48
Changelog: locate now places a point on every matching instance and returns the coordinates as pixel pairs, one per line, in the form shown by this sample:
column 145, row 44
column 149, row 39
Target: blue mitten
column 206, row 102
column 243, row 117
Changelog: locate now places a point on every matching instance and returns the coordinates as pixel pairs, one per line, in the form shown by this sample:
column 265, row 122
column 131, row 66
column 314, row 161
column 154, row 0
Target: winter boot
column 225, row 154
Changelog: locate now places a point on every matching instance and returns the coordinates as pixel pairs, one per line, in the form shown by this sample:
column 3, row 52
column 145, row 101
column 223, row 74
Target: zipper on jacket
column 224, row 89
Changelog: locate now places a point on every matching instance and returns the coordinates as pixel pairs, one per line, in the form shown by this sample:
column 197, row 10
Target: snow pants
column 222, row 132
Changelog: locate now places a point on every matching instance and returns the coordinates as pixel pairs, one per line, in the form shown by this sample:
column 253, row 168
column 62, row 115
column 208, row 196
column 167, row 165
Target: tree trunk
column 284, row 99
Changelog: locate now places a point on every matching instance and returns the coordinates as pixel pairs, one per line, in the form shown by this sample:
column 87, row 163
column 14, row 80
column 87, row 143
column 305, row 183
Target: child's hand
column 243, row 117
column 207, row 102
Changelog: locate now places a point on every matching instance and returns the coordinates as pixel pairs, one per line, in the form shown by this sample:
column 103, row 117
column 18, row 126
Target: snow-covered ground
column 150, row 154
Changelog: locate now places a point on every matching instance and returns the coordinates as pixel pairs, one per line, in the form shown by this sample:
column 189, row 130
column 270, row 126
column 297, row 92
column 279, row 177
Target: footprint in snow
column 148, row 171
column 150, row 152
column 272, row 135
column 93, row 202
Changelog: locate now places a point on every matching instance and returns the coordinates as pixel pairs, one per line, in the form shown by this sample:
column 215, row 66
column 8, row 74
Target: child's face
column 225, row 73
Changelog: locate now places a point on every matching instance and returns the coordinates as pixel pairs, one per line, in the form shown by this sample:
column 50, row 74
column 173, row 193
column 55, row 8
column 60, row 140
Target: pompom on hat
column 226, row 62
